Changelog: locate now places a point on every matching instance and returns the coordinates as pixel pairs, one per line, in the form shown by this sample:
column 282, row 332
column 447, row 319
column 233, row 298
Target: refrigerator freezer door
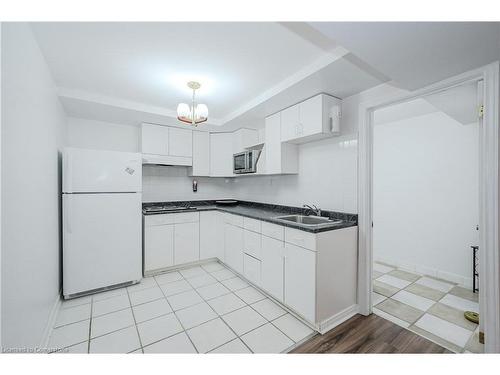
column 102, row 240
column 95, row 171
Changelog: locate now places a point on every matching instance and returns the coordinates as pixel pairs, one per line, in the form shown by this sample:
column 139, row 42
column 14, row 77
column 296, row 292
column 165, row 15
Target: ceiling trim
column 288, row 82
column 122, row 103
column 82, row 95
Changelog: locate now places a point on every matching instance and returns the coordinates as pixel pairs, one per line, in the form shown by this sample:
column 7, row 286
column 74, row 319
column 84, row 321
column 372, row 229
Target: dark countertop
column 261, row 211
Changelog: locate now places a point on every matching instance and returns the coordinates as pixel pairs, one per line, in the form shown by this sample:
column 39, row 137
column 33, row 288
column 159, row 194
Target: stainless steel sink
column 308, row 220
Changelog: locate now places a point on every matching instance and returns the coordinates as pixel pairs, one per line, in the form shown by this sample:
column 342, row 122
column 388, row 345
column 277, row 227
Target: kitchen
column 227, row 225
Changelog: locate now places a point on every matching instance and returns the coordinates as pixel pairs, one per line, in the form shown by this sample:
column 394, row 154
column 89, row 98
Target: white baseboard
column 428, row 271
column 51, row 321
column 337, row 319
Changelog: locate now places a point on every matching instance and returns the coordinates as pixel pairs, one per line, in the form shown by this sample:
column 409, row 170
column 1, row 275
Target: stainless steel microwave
column 246, row 161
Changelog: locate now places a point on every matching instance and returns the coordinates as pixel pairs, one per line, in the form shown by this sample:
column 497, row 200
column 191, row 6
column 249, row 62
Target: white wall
column 101, row 135
column 33, row 126
column 426, row 195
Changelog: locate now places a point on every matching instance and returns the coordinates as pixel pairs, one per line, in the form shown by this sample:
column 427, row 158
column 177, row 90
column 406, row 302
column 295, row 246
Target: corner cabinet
column 221, row 155
column 312, row 119
column 166, row 145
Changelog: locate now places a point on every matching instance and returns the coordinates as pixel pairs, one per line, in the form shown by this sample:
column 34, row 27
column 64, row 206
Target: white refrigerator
column 102, row 220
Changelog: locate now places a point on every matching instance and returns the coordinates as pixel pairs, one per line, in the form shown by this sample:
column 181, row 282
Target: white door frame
column 489, row 267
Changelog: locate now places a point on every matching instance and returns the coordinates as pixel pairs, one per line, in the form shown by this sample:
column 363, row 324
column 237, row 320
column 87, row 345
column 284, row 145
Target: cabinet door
column 233, row 247
column 201, row 153
column 208, row 235
column 221, row 154
column 252, row 269
column 154, row 139
column 186, row 243
column 273, row 144
column 272, row 267
column 158, row 247
column 311, row 116
column 290, row 123
column 300, row 281
column 180, row 142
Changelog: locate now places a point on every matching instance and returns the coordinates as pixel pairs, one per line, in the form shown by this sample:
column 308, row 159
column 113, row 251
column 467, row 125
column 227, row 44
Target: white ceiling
column 136, row 72
column 151, row 62
column 416, row 54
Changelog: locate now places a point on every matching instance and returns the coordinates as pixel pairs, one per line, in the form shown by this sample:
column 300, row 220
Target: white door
column 180, row 142
column 201, row 153
column 273, row 144
column 158, row 247
column 221, row 154
column 300, row 281
column 272, row 267
column 96, row 171
column 186, row 243
column 233, row 247
column 290, row 122
column 102, row 240
column 208, row 234
column 154, row 139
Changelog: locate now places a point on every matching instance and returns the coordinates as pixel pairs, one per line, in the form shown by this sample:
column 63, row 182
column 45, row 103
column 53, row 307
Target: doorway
column 489, row 300
column 426, row 215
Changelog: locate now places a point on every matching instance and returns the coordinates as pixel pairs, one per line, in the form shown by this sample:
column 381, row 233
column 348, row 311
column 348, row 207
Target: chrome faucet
column 316, row 210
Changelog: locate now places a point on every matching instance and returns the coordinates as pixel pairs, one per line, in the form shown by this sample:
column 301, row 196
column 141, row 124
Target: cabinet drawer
column 151, row 220
column 300, row 238
column 252, row 224
column 186, row 217
column 273, row 230
column 233, row 219
column 252, row 243
column 251, row 269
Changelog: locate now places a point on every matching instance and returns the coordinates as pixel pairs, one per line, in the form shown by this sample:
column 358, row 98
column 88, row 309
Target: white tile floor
column 427, row 306
column 202, row 309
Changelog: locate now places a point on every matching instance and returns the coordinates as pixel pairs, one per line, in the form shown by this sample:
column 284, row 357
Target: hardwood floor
column 369, row 334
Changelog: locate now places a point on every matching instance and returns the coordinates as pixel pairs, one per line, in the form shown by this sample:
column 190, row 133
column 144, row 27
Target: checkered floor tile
column 430, row 307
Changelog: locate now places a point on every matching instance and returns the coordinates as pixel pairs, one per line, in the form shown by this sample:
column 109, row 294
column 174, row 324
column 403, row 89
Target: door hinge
column 481, row 111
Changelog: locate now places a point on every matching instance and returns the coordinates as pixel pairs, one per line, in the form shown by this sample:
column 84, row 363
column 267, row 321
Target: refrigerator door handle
column 68, row 175
column 67, row 212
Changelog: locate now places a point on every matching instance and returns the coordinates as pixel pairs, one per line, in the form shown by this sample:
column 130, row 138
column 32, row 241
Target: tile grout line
column 135, row 322
column 426, row 311
column 176, row 317
column 90, row 323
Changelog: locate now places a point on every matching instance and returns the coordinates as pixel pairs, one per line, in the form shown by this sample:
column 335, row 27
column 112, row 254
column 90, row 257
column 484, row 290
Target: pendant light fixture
column 194, row 114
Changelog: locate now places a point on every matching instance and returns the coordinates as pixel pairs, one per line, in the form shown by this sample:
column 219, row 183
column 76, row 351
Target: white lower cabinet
column 170, row 239
column 233, row 247
column 252, row 269
column 186, row 243
column 210, row 235
column 300, row 281
column 272, row 266
column 158, row 246
column 313, row 274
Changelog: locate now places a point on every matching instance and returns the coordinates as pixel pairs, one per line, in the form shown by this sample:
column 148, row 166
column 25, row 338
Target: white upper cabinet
column 290, row 121
column 166, row 145
column 154, row 139
column 314, row 118
column 201, row 154
column 221, row 154
column 244, row 138
column 180, row 142
column 280, row 158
